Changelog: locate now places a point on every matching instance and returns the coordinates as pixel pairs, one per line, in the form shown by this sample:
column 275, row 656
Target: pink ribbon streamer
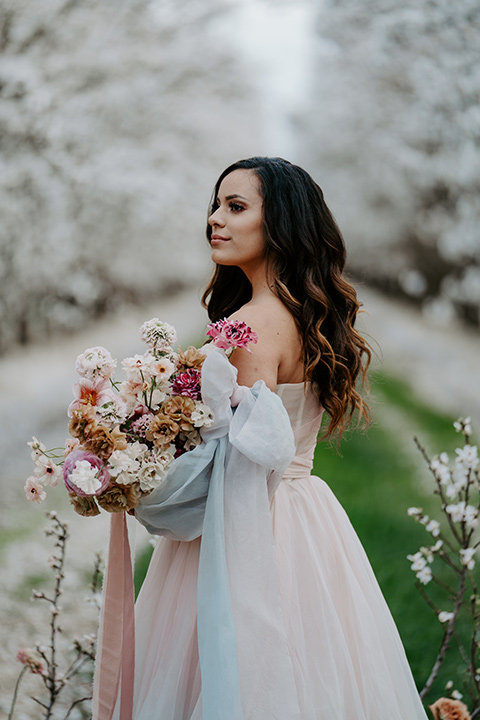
column 115, row 666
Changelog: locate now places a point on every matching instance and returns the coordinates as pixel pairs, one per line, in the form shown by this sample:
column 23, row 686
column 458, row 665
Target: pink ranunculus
column 187, row 383
column 101, row 472
column 94, row 392
column 232, row 334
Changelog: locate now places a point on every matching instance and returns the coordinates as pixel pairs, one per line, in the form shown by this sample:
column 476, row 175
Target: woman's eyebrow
column 235, row 195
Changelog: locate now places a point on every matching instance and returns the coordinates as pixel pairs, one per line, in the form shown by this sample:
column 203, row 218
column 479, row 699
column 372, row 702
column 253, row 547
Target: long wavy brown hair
column 306, row 256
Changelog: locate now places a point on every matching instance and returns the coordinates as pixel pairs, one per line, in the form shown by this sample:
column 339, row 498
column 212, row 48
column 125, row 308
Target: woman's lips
column 217, row 240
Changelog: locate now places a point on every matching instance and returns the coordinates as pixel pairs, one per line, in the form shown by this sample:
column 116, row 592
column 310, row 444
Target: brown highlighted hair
column 305, row 255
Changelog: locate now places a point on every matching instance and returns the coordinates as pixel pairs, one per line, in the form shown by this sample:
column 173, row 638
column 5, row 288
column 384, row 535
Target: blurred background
column 116, row 118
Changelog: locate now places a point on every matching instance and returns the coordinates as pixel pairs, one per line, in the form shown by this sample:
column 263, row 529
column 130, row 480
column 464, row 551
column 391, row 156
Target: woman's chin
column 220, row 258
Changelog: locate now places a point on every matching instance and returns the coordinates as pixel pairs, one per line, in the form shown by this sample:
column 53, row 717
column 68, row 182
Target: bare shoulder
column 277, row 337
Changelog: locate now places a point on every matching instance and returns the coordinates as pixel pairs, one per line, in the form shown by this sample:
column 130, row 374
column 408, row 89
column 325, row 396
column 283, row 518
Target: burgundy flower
column 187, row 383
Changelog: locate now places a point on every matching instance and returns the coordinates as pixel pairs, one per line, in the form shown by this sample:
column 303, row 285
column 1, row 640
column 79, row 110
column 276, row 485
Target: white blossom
column 456, row 511
column 444, row 616
column 433, row 526
column 451, row 491
column 471, row 516
column 424, row 575
column 418, row 561
column 466, row 555
column 467, row 456
column 456, row 695
column 463, row 512
column 463, row 425
column 439, row 466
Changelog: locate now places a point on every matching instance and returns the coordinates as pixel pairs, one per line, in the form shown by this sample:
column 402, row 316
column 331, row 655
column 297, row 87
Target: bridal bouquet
column 125, row 435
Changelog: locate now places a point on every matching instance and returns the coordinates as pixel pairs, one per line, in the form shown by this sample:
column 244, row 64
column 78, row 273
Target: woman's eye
column 236, row 207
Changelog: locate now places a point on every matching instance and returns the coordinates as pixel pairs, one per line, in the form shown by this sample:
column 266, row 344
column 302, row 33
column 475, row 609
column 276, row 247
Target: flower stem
column 15, row 692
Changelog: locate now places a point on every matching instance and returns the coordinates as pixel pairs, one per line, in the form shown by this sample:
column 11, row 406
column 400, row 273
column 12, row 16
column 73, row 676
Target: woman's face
column 237, row 222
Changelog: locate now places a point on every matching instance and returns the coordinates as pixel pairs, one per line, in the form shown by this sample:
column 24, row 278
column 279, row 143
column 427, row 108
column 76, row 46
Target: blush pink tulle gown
column 347, row 657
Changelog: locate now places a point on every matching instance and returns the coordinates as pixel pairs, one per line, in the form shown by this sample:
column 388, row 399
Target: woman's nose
column 216, row 218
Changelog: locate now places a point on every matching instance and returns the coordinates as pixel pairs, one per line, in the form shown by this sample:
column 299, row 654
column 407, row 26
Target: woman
column 315, row 641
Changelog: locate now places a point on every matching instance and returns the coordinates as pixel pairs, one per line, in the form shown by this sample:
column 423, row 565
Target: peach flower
column 180, row 409
column 102, row 441
column 162, row 430
column 118, row 499
column 85, row 506
column 448, row 709
column 192, row 357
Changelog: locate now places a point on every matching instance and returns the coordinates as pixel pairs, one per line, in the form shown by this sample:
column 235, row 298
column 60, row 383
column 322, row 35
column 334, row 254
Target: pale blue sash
column 219, row 491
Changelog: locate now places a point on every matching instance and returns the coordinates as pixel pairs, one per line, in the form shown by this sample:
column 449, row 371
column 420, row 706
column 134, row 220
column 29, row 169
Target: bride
column 298, row 627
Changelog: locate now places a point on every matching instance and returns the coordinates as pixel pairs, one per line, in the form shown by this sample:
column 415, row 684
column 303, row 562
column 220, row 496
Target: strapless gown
column 347, row 657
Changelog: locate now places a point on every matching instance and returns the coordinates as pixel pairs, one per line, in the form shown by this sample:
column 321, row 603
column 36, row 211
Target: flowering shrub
column 43, row 660
column 449, row 561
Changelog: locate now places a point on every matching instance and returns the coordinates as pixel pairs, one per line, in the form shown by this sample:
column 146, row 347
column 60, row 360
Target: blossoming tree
column 115, row 119
column 395, row 126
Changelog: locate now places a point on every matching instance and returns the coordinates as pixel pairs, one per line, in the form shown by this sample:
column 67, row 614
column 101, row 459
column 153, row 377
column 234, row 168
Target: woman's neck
column 259, row 282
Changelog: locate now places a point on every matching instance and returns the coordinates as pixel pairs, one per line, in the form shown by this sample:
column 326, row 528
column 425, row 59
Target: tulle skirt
column 348, row 659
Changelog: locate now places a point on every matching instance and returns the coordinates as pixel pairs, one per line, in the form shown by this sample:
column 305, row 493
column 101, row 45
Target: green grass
column 142, row 561
column 376, row 476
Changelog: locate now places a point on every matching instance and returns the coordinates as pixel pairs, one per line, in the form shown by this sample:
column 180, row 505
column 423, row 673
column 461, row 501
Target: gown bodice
column 305, row 413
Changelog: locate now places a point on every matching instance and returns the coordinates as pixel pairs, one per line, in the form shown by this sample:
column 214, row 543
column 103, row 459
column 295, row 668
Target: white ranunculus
column 84, row 476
